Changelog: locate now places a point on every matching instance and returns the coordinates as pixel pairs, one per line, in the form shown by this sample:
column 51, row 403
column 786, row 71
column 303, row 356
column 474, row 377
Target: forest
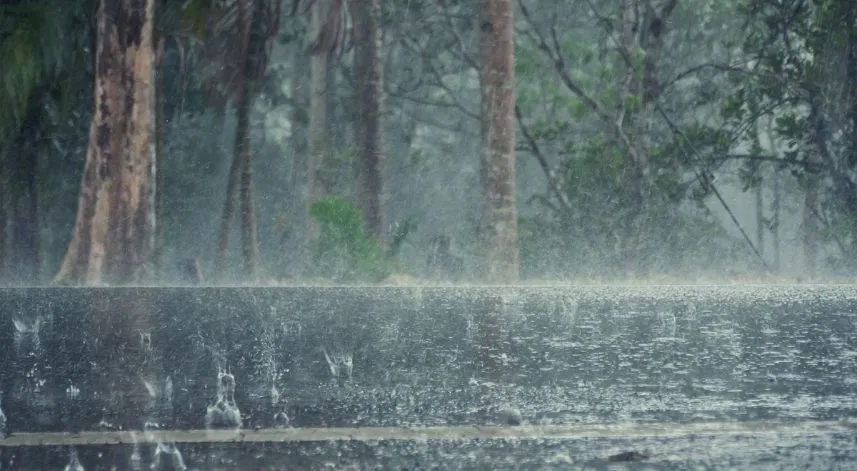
column 426, row 141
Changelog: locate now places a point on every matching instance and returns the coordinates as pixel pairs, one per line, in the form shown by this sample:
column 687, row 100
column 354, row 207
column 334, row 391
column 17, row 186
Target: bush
column 344, row 251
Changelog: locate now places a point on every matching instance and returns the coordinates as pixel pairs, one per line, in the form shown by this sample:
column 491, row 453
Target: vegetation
column 344, row 250
column 346, row 138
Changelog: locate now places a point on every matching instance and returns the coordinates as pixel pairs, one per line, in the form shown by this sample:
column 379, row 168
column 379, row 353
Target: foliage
column 345, row 252
column 800, row 84
column 757, row 92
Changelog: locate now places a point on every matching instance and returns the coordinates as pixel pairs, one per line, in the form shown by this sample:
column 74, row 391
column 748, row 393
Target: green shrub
column 345, row 252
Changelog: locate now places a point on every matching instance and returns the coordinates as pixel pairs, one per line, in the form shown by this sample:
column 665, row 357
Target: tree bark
column 243, row 151
column 160, row 129
column 810, row 229
column 239, row 188
column 775, row 232
column 321, row 45
column 760, row 220
column 368, row 129
column 113, row 236
column 499, row 229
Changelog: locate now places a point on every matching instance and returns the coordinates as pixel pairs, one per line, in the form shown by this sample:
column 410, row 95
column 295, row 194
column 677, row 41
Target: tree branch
column 550, row 175
column 559, row 66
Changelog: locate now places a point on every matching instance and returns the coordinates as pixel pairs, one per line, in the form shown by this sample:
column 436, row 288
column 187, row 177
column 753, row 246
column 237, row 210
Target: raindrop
column 281, row 420
column 224, row 413
column 136, row 460
column 168, row 390
column 275, row 395
column 3, row 430
column 339, row 364
column 27, row 342
column 511, row 416
column 168, row 456
column 73, row 461
column 146, row 341
column 72, row 392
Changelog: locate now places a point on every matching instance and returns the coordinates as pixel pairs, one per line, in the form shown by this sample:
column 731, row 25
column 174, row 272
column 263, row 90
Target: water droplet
column 72, row 392
column 281, row 420
column 224, row 413
column 136, row 460
column 168, row 456
column 339, row 364
column 4, row 432
column 27, row 341
column 73, row 461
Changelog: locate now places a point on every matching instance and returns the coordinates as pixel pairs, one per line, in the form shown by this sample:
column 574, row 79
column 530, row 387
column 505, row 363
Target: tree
column 41, row 49
column 256, row 23
column 369, row 91
column 113, row 235
column 323, row 34
column 802, row 59
column 499, row 228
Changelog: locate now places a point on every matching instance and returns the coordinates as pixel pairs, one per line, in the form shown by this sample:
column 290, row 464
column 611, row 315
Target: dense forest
column 364, row 141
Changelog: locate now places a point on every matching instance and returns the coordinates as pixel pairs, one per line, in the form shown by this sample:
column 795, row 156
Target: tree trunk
column 319, row 184
column 760, row 220
column 113, row 236
column 160, row 129
column 243, row 152
column 368, row 129
column 810, row 229
column 499, row 229
column 239, row 188
column 850, row 18
column 4, row 215
column 299, row 195
column 222, row 255
column 775, row 229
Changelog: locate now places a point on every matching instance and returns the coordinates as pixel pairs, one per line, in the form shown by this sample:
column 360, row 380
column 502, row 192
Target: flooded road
column 691, row 377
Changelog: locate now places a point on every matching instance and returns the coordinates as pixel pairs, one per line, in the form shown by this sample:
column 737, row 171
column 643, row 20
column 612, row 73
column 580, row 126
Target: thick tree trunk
column 497, row 167
column 297, row 227
column 368, row 129
column 113, row 236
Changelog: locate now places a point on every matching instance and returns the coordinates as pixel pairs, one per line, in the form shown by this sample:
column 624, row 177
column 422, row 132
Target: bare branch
column 559, row 66
column 550, row 175
column 468, row 59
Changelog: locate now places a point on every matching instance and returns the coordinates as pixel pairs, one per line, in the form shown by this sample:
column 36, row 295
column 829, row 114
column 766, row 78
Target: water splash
column 27, row 340
column 72, row 392
column 168, row 456
column 281, row 420
column 4, row 431
column 160, row 406
column 73, row 461
column 339, row 365
column 136, row 459
column 224, row 413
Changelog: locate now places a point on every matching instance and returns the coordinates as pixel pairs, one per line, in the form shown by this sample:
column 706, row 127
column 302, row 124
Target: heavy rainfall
column 446, row 234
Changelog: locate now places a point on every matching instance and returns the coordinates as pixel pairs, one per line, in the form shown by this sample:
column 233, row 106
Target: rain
column 467, row 235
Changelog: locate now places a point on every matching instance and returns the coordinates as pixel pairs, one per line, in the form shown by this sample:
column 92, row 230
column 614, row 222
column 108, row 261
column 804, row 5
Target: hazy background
column 740, row 79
